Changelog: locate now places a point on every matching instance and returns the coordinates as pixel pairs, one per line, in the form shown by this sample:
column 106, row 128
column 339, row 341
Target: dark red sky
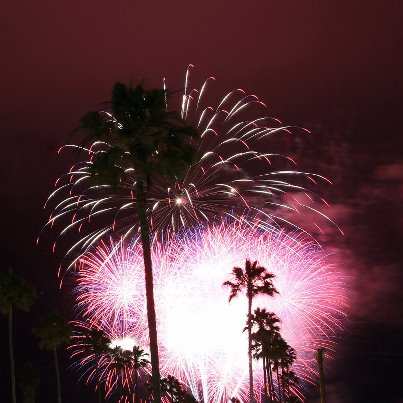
column 312, row 61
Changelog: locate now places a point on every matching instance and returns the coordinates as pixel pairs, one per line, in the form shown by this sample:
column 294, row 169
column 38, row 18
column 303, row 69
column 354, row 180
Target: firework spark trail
column 102, row 368
column 234, row 173
column 201, row 338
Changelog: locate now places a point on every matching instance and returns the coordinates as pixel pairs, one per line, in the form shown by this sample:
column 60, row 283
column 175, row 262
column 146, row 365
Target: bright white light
column 125, row 343
column 201, row 338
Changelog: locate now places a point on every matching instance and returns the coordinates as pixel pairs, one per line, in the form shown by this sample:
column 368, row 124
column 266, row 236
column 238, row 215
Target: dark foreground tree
column 146, row 139
column 15, row 293
column 140, row 362
column 322, row 385
column 277, row 357
column 28, row 382
column 175, row 391
column 52, row 334
column 252, row 280
column 265, row 330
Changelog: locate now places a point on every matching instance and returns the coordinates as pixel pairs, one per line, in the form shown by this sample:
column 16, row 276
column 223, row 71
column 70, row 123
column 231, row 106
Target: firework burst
column 234, row 172
column 109, row 359
column 201, row 338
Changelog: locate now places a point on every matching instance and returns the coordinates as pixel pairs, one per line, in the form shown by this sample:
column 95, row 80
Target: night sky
column 333, row 66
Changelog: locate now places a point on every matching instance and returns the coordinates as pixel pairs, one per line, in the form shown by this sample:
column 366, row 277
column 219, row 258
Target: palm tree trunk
column 269, row 381
column 265, row 380
column 59, row 390
column 285, row 384
column 270, row 378
column 319, row 357
column 280, row 394
column 148, row 271
column 11, row 351
column 136, row 387
column 251, row 396
column 99, row 395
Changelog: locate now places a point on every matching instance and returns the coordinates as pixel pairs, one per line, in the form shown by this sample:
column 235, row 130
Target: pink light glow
column 200, row 333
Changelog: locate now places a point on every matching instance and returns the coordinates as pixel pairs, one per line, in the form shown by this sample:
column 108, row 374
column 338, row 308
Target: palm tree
column 28, row 382
column 53, row 333
column 120, row 367
column 277, row 356
column 289, row 380
column 253, row 280
column 283, row 357
column 263, row 340
column 175, row 391
column 96, row 340
column 139, row 362
column 322, row 385
column 91, row 341
column 14, row 293
column 149, row 141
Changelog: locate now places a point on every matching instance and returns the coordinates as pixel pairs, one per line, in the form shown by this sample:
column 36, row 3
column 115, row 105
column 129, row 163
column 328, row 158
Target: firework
column 200, row 333
column 107, row 359
column 234, row 172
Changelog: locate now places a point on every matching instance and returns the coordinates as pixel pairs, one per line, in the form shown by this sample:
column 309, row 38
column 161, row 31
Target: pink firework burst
column 110, row 360
column 200, row 333
column 237, row 169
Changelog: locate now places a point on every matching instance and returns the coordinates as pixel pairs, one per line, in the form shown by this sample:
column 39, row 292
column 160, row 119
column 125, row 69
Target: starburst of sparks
column 200, row 333
column 234, row 172
column 110, row 366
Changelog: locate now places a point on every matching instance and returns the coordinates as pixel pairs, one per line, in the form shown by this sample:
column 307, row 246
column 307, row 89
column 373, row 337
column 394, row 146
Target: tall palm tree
column 15, row 293
column 149, row 141
column 252, row 280
column 53, row 333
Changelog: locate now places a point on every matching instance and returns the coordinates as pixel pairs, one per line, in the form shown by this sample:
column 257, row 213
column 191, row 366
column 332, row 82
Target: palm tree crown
column 53, row 333
column 142, row 134
column 253, row 279
column 15, row 292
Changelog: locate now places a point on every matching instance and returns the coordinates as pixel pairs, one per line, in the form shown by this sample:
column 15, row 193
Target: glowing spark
column 233, row 172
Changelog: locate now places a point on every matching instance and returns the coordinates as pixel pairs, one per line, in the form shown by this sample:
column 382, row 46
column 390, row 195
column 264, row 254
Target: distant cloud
column 392, row 171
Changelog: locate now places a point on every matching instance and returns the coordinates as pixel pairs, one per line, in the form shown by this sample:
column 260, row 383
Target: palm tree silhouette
column 175, row 391
column 15, row 293
column 52, row 334
column 151, row 142
column 28, row 382
column 282, row 360
column 252, row 280
column 120, row 368
column 263, row 339
column 93, row 342
column 139, row 362
column 277, row 356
